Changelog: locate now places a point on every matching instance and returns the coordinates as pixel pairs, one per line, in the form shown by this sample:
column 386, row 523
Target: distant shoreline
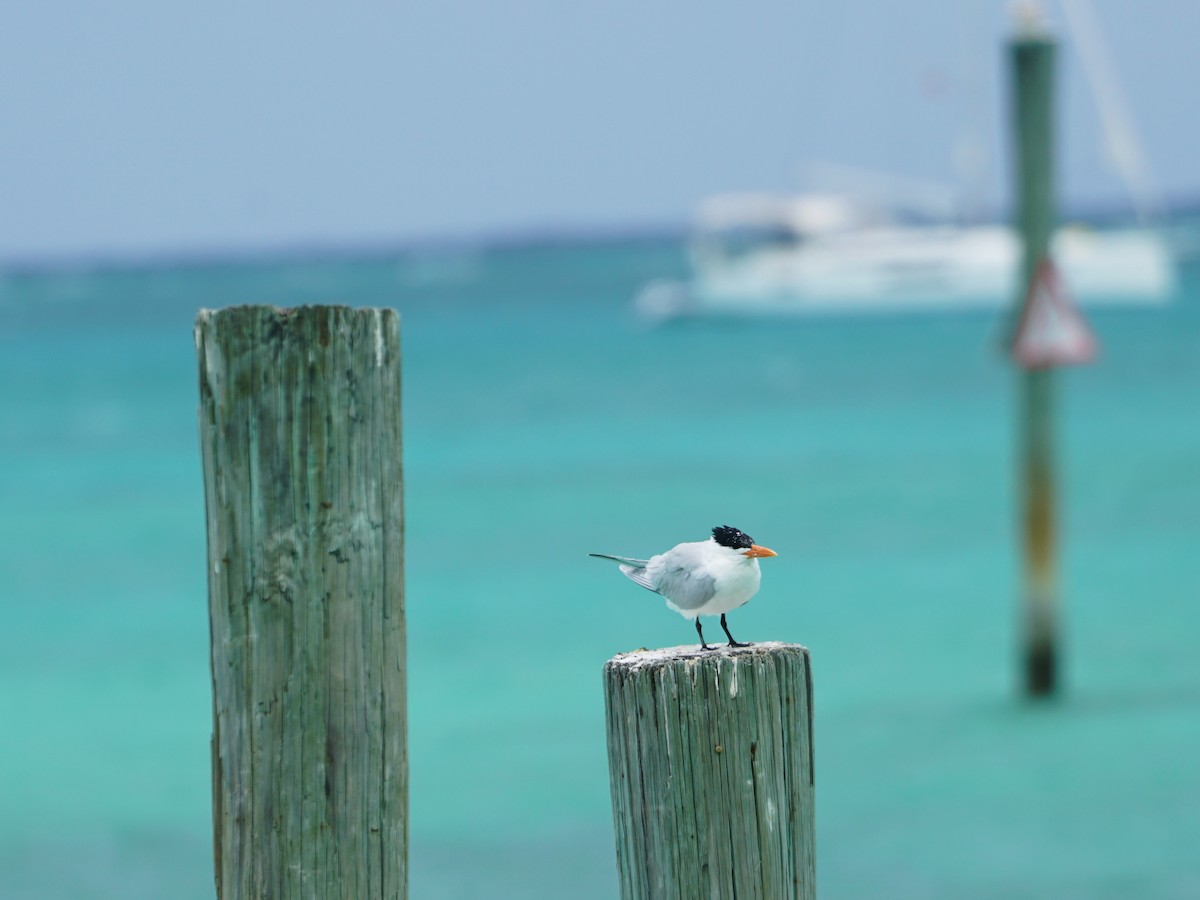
column 529, row 238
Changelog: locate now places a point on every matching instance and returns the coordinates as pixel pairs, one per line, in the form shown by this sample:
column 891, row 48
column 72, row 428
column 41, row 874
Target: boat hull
column 911, row 269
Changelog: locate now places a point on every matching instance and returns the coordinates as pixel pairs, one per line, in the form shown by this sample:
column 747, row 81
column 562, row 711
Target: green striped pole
column 1032, row 57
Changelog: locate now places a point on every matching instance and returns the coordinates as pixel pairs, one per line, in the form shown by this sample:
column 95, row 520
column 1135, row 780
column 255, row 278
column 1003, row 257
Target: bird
column 701, row 578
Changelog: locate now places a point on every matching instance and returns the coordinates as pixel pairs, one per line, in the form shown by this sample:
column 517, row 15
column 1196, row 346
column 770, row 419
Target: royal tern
column 701, row 578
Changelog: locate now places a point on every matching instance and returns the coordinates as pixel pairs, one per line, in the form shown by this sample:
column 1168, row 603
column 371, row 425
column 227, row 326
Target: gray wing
column 637, row 574
column 633, row 569
column 624, row 560
column 686, row 589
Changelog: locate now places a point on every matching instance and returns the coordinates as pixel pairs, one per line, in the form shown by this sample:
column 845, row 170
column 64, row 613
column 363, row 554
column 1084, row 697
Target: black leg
column 732, row 642
column 703, row 646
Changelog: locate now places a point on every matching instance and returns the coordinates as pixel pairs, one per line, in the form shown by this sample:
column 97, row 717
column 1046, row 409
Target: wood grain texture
column 711, row 768
column 300, row 440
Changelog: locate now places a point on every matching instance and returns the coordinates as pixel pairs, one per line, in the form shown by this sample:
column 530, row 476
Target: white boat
column 764, row 254
column 769, row 255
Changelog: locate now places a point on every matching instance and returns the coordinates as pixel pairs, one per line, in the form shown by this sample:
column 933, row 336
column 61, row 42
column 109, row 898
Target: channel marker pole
column 1032, row 52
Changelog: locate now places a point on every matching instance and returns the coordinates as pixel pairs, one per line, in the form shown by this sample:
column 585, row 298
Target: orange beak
column 756, row 550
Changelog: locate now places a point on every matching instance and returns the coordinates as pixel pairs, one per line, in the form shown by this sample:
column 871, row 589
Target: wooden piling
column 711, row 770
column 1032, row 59
column 300, row 441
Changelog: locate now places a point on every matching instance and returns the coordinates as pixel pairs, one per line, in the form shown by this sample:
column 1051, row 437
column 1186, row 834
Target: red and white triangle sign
column 1051, row 330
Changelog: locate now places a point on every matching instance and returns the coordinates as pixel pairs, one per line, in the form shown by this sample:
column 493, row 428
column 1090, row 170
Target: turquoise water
column 542, row 422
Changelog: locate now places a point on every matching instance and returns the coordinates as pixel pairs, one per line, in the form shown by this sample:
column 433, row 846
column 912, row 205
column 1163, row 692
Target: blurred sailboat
column 770, row 255
column 846, row 251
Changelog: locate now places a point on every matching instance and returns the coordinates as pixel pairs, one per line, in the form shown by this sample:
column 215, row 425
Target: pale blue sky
column 138, row 128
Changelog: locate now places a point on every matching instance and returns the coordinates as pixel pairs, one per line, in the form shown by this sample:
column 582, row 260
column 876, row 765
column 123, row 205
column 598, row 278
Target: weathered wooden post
column 300, row 439
column 711, row 764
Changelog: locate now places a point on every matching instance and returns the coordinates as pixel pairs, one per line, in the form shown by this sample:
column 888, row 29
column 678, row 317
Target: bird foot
column 740, row 644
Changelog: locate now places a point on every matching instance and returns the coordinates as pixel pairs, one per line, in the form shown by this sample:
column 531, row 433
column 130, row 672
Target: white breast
column 703, row 578
column 737, row 584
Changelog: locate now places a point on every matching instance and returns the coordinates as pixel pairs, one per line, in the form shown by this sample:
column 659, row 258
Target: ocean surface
column 542, row 421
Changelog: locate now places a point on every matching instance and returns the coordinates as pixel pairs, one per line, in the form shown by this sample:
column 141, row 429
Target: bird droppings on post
column 691, row 654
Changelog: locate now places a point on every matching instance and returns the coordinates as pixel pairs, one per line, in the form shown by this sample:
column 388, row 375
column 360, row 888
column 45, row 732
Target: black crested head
column 728, row 536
